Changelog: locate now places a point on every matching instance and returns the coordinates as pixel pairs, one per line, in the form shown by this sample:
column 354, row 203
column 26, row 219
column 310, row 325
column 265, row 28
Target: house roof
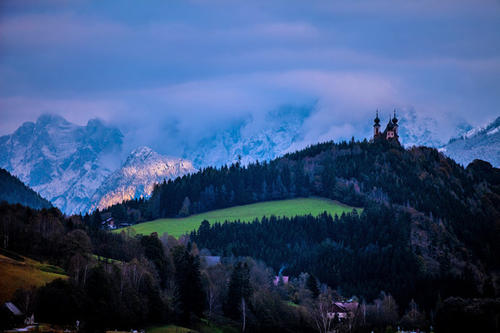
column 349, row 306
column 12, row 308
column 336, row 308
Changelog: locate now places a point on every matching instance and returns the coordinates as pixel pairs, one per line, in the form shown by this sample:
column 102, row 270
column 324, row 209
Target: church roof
column 390, row 125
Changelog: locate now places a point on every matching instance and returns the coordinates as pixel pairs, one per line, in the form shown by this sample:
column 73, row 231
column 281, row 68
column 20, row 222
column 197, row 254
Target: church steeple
column 376, row 126
column 395, row 123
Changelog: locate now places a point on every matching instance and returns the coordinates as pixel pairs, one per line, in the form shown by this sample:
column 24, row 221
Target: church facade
column 390, row 133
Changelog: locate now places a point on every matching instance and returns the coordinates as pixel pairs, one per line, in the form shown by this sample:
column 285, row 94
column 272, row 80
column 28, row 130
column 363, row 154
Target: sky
column 175, row 71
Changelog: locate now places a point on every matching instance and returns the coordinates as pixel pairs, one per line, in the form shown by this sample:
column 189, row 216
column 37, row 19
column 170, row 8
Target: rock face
column 479, row 143
column 137, row 177
column 64, row 162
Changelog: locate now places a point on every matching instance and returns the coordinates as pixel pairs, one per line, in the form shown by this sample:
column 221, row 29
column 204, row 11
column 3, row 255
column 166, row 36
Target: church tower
column 376, row 126
column 390, row 133
column 395, row 124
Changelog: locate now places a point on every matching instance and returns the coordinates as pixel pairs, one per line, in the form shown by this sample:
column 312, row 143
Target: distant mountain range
column 78, row 168
column 14, row 191
column 252, row 139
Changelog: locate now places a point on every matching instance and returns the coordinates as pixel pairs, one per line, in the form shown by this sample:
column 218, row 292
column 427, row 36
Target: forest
column 465, row 200
column 423, row 251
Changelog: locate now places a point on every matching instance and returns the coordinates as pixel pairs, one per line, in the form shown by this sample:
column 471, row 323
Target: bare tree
column 322, row 312
column 243, row 314
column 215, row 281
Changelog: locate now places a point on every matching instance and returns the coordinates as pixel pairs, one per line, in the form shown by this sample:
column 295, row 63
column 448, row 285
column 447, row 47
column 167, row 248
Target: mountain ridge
column 141, row 171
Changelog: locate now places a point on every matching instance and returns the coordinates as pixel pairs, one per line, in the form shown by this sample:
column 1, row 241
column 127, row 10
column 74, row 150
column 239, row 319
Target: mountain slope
column 137, row 177
column 478, row 143
column 64, row 162
column 14, row 191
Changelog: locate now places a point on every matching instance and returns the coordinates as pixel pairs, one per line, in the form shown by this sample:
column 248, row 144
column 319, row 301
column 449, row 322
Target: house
column 343, row 310
column 276, row 279
column 211, row 260
column 109, row 223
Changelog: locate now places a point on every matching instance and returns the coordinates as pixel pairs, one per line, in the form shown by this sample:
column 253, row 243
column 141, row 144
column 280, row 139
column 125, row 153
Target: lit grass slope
column 15, row 274
column 247, row 213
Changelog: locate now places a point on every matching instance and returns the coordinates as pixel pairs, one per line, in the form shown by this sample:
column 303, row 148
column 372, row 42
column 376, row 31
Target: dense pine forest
column 422, row 252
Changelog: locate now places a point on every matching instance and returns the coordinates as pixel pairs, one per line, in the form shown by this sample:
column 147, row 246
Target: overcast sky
column 187, row 67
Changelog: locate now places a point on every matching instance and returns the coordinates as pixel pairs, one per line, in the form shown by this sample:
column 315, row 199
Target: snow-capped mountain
column 137, row 177
column 252, row 139
column 64, row 162
column 422, row 130
column 478, row 143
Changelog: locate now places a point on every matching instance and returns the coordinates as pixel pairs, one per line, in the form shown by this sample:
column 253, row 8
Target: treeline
column 13, row 191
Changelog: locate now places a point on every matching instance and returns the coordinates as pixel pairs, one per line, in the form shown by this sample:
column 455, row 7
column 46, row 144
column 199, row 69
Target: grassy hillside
column 247, row 213
column 15, row 274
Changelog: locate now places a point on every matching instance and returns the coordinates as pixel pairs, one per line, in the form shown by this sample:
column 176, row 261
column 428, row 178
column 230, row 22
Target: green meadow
column 246, row 213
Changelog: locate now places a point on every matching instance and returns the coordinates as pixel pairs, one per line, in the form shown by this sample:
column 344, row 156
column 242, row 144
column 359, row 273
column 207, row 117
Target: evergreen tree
column 312, row 285
column 239, row 291
column 189, row 297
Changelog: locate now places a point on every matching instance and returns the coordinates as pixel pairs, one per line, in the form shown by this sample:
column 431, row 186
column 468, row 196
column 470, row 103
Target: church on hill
column 390, row 133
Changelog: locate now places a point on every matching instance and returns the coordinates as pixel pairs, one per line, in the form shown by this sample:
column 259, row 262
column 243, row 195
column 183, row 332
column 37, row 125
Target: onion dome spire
column 395, row 120
column 377, row 119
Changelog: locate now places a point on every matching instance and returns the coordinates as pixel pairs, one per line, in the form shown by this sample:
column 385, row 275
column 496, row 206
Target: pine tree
column 312, row 285
column 189, row 297
column 239, row 290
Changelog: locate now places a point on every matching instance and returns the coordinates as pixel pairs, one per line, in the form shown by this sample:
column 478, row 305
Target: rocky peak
column 137, row 177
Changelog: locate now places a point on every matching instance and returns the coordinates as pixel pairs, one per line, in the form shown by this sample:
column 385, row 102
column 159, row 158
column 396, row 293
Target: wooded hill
column 448, row 215
column 463, row 201
column 13, row 191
